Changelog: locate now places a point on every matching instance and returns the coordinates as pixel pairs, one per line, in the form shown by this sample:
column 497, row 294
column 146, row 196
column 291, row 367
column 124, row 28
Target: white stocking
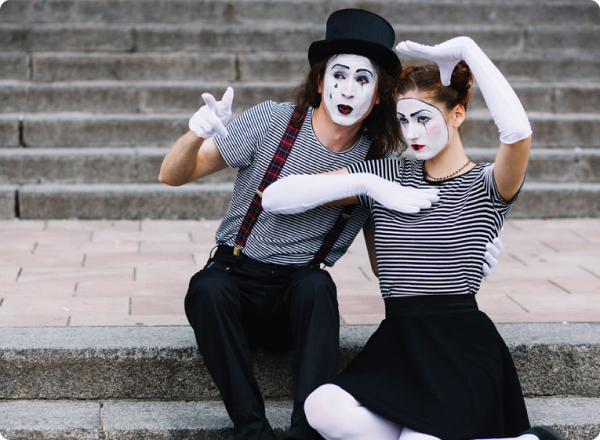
column 336, row 415
column 521, row 437
column 409, row 434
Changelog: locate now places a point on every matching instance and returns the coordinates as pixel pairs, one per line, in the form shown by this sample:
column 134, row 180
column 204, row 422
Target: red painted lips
column 344, row 109
column 417, row 147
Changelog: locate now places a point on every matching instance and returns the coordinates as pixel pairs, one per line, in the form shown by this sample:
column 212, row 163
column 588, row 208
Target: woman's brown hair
column 381, row 125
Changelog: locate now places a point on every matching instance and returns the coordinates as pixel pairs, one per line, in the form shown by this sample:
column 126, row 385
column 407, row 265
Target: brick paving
column 127, row 273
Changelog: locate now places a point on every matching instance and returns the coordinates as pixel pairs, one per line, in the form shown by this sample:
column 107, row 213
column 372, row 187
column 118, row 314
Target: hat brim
column 386, row 58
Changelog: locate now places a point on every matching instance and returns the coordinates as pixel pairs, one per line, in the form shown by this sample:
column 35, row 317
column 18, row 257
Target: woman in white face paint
column 436, row 368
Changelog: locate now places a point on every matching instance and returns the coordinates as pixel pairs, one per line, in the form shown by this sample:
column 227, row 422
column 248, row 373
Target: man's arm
column 190, row 158
column 195, row 154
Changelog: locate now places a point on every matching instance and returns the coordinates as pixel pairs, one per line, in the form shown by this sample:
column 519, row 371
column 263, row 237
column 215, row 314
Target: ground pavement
column 132, row 273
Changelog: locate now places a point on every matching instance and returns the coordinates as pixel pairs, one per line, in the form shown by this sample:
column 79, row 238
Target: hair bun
column 462, row 78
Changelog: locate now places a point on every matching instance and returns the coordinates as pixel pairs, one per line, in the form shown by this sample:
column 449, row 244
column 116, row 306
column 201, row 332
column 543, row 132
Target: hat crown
column 359, row 32
column 357, row 24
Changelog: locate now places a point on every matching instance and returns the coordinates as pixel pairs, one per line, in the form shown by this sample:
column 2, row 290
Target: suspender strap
column 337, row 228
column 271, row 175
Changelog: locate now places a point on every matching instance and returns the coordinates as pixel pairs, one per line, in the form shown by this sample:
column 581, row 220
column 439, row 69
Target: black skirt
column 438, row 366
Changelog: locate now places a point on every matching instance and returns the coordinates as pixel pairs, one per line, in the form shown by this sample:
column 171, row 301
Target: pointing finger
column 227, row 99
column 210, row 101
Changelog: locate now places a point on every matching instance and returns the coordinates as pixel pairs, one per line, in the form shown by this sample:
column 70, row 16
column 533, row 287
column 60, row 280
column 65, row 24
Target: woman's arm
column 299, row 193
column 502, row 101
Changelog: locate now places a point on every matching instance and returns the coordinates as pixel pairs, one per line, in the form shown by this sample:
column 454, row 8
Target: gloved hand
column 505, row 107
column 211, row 118
column 300, row 193
column 491, row 255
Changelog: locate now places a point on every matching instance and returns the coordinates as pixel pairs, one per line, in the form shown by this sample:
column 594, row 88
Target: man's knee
column 312, row 284
column 209, row 290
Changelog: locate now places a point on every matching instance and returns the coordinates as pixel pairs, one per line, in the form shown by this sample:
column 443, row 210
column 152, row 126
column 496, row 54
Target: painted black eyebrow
column 365, row 70
column 401, row 114
column 341, row 65
column 416, row 113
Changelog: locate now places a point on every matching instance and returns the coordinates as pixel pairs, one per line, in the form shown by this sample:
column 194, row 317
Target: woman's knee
column 326, row 409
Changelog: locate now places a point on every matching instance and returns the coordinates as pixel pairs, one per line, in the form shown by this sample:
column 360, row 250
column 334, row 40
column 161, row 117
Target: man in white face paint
column 264, row 285
column 349, row 88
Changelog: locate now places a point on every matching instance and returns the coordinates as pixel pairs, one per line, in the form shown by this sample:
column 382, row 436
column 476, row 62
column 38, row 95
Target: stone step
column 252, row 66
column 210, row 201
column 58, row 130
column 184, row 96
column 434, row 12
column 91, row 165
column 162, row 363
column 123, row 201
column 275, row 36
column 574, row 417
column 141, row 165
column 8, row 201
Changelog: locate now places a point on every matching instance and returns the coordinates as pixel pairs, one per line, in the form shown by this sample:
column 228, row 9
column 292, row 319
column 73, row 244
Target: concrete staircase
column 94, row 92
column 138, row 383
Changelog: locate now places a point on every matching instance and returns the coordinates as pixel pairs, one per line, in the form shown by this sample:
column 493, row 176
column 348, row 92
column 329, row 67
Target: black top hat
column 358, row 32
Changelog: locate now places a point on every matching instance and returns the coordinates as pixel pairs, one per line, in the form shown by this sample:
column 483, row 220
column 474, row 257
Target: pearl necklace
column 429, row 176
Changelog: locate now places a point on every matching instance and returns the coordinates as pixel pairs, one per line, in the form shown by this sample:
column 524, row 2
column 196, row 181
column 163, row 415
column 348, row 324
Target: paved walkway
column 121, row 273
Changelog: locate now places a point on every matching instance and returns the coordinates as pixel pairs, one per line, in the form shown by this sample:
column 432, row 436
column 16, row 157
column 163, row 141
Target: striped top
column 283, row 239
column 439, row 250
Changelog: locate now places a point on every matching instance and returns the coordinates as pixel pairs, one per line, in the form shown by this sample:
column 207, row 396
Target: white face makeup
column 423, row 126
column 348, row 88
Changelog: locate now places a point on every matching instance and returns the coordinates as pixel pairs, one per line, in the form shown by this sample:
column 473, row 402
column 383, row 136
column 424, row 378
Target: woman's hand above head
column 446, row 55
column 300, row 193
column 504, row 105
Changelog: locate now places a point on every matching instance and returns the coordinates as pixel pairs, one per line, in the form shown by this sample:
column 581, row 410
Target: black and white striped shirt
column 283, row 239
column 439, row 250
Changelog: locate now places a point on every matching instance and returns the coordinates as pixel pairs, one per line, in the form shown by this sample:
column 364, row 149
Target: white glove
column 299, row 193
column 491, row 255
column 212, row 117
column 507, row 111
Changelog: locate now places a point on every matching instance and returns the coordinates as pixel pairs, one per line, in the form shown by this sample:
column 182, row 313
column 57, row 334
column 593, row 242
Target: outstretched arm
column 195, row 154
column 505, row 107
column 300, row 193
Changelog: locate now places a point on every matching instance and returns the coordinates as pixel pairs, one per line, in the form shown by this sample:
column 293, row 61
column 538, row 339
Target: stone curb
column 577, row 418
column 163, row 362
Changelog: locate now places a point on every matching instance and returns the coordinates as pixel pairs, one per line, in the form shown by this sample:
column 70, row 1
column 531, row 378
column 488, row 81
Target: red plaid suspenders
column 271, row 175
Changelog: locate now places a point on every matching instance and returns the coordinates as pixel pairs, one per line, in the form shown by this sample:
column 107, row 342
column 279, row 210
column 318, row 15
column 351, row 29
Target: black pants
column 236, row 303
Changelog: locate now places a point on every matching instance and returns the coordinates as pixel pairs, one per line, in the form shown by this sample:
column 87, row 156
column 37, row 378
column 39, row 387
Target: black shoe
column 544, row 433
